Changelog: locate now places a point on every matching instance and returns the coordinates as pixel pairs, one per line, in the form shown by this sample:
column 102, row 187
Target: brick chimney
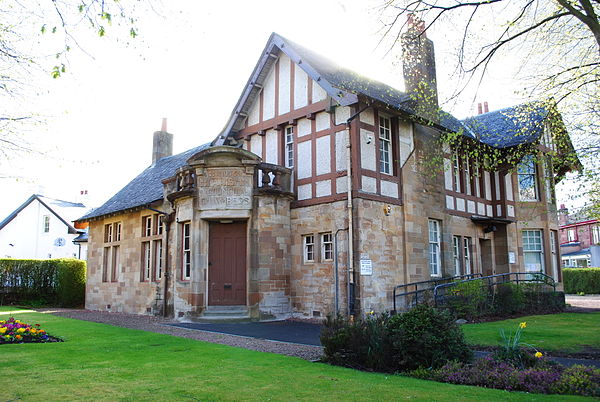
column 418, row 59
column 162, row 144
column 563, row 215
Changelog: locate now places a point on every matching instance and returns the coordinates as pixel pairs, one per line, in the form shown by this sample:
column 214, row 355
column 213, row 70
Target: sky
column 189, row 64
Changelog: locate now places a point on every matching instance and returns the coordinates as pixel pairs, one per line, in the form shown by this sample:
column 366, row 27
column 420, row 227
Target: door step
column 225, row 313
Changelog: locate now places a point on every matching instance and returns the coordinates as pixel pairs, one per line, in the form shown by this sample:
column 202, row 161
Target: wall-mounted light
column 490, row 228
column 387, row 210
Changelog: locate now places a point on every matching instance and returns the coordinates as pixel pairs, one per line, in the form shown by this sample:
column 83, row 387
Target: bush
column 426, row 337
column 422, row 337
column 468, row 299
column 586, row 280
column 59, row 282
column 509, row 299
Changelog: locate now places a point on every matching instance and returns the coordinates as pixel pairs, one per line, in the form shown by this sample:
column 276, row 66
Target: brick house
column 578, row 233
column 317, row 198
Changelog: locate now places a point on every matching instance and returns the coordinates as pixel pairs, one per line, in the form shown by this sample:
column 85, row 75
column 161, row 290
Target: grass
column 565, row 332
column 104, row 362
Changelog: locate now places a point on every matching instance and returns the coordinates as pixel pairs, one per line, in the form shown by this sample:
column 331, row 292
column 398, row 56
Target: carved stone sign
column 225, row 188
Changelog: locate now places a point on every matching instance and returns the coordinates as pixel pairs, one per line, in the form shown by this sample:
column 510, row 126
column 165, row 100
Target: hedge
column 56, row 282
column 586, row 280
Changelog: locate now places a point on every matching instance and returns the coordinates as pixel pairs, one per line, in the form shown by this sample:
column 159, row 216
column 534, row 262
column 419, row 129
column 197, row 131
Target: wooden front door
column 227, row 264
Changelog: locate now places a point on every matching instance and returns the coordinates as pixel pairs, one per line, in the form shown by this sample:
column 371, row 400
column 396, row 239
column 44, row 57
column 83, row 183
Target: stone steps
column 225, row 313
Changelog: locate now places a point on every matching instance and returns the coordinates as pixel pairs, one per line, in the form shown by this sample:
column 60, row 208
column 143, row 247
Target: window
column 467, row 176
column 158, row 260
column 146, row 260
column 186, row 262
column 147, row 226
column 434, row 248
column 118, row 231
column 108, row 233
column 467, row 254
column 105, row 263
column 456, row 254
column 46, row 223
column 571, row 235
column 553, row 255
column 528, row 188
column 456, row 172
column 289, row 146
column 159, row 223
column 114, row 272
column 326, row 246
column 596, row 234
column 308, row 242
column 385, row 144
column 533, row 253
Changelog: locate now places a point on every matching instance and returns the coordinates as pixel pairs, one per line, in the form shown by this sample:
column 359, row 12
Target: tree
column 558, row 43
column 36, row 38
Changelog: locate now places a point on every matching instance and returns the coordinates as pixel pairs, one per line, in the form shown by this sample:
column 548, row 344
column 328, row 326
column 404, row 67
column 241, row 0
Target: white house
column 42, row 228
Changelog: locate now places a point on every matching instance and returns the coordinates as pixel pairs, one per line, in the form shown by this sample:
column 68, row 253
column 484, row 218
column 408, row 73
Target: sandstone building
column 324, row 191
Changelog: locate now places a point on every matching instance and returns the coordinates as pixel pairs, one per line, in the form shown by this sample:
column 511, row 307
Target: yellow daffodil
column 538, row 354
column 523, row 325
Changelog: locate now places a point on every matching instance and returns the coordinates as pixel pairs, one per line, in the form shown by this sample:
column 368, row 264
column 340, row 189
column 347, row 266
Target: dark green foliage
column 509, row 299
column 426, row 337
column 579, row 380
column 59, row 282
column 586, row 280
column 422, row 337
column 469, row 299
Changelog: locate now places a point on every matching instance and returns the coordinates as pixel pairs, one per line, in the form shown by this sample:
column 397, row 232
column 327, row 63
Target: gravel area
column 157, row 324
column 583, row 303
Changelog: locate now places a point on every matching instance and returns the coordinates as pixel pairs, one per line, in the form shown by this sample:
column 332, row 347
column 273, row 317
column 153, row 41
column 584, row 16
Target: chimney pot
column 485, row 107
column 163, row 127
column 479, row 109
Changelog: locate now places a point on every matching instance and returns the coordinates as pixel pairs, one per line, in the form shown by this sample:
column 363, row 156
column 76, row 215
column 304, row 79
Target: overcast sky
column 190, row 64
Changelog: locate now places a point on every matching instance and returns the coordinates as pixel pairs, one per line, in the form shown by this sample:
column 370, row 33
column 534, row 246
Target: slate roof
column 146, row 187
column 582, row 252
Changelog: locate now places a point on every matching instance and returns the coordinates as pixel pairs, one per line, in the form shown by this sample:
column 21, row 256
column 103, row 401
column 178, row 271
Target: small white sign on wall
column 512, row 257
column 366, row 267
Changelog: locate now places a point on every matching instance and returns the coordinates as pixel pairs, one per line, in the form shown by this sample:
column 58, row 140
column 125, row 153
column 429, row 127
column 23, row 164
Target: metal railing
column 426, row 286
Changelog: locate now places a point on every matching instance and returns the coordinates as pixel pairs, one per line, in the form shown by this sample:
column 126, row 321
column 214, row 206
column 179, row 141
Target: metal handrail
column 431, row 281
column 536, row 276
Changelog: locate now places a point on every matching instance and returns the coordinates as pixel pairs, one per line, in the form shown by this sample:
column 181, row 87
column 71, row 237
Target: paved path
column 583, row 303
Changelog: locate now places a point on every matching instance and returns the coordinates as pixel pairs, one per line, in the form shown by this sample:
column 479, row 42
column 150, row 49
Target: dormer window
column 385, row 145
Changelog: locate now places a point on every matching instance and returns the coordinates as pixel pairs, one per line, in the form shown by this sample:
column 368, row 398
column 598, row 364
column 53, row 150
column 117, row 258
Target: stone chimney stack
column 162, row 144
column 418, row 59
column 563, row 215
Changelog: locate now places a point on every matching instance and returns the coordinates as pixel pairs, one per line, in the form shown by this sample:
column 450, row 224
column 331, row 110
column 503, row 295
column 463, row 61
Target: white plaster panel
column 447, row 174
column 510, row 210
column 284, row 84
column 254, row 113
column 477, row 188
column 498, row 210
column 367, row 150
column 304, row 127
column 480, row 209
column 497, row 182
column 471, row 207
column 245, row 145
column 341, row 140
column 508, row 186
column 341, row 184
column 271, row 149
column 269, row 96
column 300, row 88
column 323, row 188
column 256, row 144
column 318, row 93
column 489, row 210
column 322, row 121
column 369, row 184
column 304, row 160
column 460, row 204
column 406, row 141
column 323, row 155
column 488, row 185
column 305, row 191
column 368, row 116
column 342, row 114
column 389, row 188
column 449, row 202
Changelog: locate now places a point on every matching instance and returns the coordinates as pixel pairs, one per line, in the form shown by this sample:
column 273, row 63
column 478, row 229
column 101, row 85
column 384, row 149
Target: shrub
column 426, row 337
column 586, row 280
column 509, row 299
column 56, row 282
column 578, row 380
column 468, row 299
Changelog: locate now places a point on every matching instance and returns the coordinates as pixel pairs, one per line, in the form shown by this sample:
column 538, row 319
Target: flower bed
column 15, row 331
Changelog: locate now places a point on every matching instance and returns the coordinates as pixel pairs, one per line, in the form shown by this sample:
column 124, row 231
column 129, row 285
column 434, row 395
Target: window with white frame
column 533, row 251
column 308, row 245
column 147, row 226
column 186, row 251
column 46, row 223
column 289, row 146
column 117, row 231
column 326, row 246
column 596, row 234
column 158, row 259
column 467, row 176
column 105, row 263
column 146, row 261
column 385, row 145
column 456, row 254
column 527, row 173
column 434, row 248
column 467, row 254
column 571, row 235
column 456, row 172
column 108, row 233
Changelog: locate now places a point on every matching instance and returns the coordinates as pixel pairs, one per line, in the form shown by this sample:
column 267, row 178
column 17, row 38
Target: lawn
column 99, row 361
column 568, row 332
